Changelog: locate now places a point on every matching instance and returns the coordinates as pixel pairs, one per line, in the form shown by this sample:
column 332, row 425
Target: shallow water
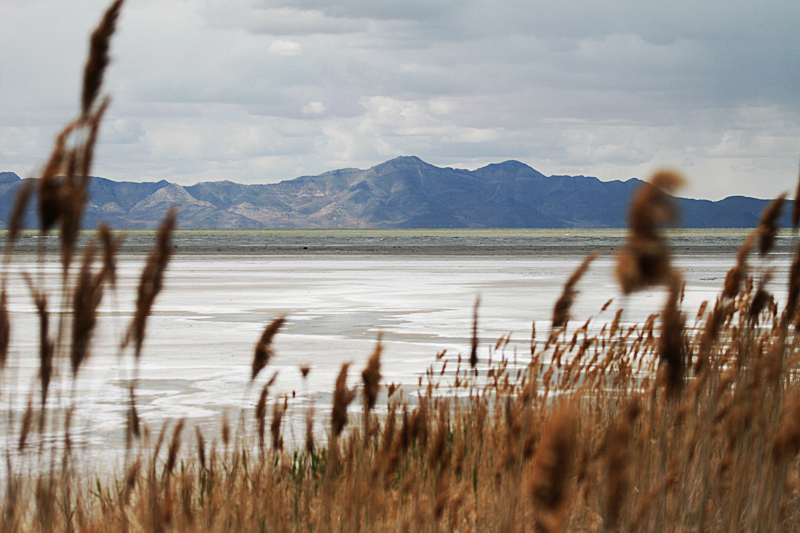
column 413, row 241
column 200, row 337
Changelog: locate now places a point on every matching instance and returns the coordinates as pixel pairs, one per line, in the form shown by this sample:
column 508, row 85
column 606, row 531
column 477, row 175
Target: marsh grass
column 647, row 427
column 657, row 426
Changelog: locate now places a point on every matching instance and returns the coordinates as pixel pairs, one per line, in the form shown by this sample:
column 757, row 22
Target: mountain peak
column 8, row 177
column 510, row 168
column 403, row 161
column 511, row 165
column 407, row 159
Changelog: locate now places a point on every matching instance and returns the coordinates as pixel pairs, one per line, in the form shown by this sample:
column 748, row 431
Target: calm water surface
column 339, row 290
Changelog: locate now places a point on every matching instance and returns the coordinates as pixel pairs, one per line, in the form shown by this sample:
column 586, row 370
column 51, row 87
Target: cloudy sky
column 257, row 91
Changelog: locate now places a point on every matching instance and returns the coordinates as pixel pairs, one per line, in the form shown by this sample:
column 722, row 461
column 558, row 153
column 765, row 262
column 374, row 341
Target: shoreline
column 412, row 243
column 311, row 250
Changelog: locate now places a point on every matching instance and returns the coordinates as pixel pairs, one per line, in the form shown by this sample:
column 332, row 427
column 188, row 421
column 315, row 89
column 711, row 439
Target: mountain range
column 405, row 192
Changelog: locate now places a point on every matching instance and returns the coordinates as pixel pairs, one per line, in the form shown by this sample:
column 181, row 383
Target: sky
column 258, row 91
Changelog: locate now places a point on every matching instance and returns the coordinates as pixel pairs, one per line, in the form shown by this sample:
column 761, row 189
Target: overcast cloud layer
column 257, row 91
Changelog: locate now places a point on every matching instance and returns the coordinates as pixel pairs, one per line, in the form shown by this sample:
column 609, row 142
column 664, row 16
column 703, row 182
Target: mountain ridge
column 404, row 192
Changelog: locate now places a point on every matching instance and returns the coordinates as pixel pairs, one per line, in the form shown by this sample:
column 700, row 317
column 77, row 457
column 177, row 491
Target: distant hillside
column 405, row 192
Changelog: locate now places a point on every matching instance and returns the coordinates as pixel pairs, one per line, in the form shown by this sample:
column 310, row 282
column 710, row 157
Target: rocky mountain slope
column 405, row 192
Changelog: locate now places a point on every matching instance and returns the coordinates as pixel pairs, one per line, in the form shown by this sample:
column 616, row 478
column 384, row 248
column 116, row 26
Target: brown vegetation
column 637, row 427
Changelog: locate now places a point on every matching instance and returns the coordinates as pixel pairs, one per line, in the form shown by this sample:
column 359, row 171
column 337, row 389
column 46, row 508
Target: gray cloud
column 263, row 90
column 414, row 10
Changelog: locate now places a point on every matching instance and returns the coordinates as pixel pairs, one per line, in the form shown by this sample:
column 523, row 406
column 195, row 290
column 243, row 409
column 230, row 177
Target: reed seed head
column 201, row 447
column 174, row 446
column 371, row 376
column 49, row 186
column 98, row 56
column 733, row 282
column 111, row 246
column 473, row 353
column 263, row 351
column 226, row 430
column 278, row 410
column 16, row 220
column 342, row 396
column 617, row 442
column 761, row 298
column 553, row 466
column 310, row 431
column 46, row 345
column 261, row 415
column 132, row 431
column 563, row 305
column 86, row 299
column 151, row 282
column 25, row 429
column 131, row 477
column 768, row 224
column 652, row 204
column 91, row 139
column 672, row 343
column 645, row 260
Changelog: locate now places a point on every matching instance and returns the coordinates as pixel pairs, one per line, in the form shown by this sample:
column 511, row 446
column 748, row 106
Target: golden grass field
column 652, row 427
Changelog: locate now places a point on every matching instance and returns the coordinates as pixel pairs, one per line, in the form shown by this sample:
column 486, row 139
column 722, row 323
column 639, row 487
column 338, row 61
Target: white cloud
column 285, row 47
column 314, row 108
column 257, row 90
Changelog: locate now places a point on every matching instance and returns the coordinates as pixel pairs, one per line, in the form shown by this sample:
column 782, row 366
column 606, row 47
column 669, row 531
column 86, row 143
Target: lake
column 338, row 290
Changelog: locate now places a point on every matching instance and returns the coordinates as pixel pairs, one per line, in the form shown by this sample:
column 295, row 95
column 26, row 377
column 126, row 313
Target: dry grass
column 650, row 427
column 638, row 428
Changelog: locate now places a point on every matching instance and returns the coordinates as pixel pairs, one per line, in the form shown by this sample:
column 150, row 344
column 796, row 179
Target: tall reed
column 669, row 425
